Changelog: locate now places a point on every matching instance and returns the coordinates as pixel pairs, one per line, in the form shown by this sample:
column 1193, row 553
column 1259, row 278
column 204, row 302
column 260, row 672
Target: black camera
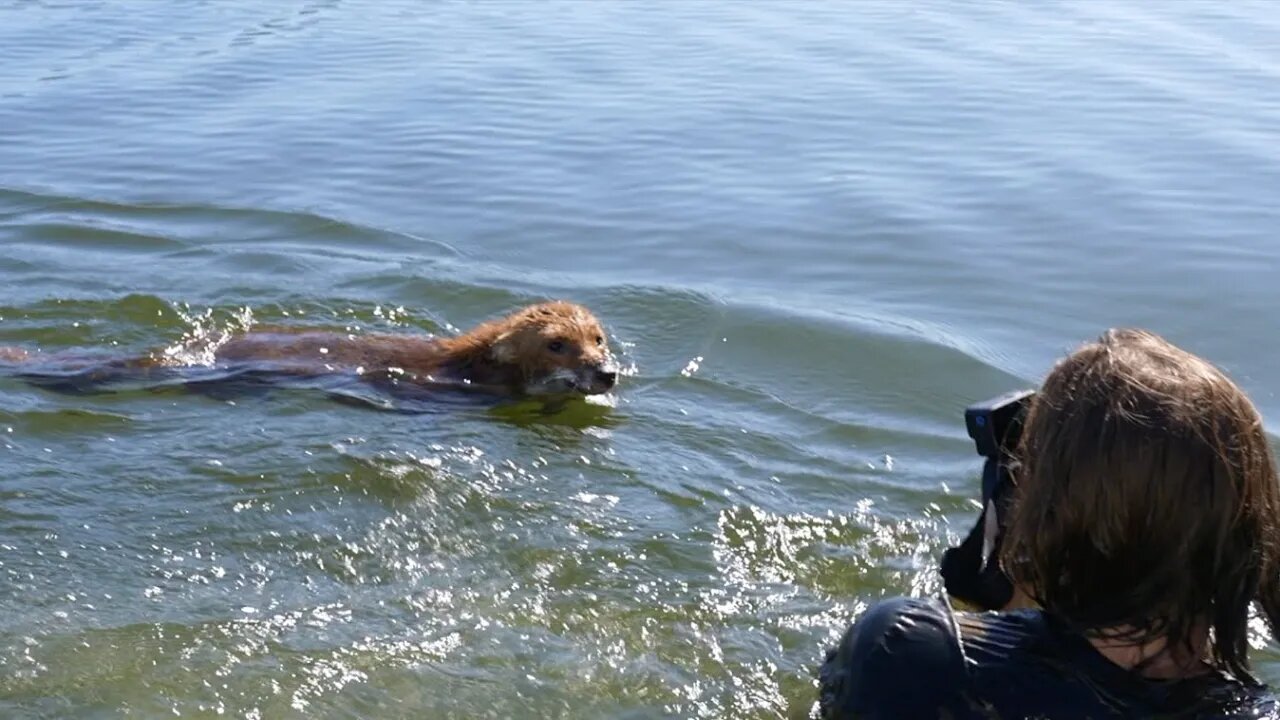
column 969, row 571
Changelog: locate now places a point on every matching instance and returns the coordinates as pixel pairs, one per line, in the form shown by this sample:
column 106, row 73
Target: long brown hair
column 1147, row 499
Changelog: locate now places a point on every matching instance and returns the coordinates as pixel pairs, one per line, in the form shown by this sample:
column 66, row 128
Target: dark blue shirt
column 915, row 658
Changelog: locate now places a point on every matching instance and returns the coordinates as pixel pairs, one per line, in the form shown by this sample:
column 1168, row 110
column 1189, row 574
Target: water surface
column 815, row 231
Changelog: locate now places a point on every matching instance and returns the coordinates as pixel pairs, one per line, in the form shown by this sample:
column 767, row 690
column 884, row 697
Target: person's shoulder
column 901, row 658
column 921, row 622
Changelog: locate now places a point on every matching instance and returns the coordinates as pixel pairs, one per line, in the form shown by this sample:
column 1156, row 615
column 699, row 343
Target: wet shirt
column 915, row 658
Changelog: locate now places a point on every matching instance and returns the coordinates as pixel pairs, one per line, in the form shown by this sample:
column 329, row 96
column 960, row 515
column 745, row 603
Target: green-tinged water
column 814, row 231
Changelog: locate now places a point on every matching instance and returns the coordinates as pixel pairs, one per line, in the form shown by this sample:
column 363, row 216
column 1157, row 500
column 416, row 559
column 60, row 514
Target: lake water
column 815, row 231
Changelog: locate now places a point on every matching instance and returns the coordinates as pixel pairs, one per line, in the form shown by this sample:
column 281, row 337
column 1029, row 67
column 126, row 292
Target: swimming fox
column 547, row 348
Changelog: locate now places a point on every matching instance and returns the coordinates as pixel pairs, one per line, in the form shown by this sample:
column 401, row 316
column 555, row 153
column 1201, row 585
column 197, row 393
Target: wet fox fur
column 546, row 348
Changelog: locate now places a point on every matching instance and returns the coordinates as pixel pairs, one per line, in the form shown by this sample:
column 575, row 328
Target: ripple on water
column 483, row 567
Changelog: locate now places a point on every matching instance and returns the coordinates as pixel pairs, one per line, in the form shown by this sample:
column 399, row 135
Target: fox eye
column 556, row 346
column 599, row 339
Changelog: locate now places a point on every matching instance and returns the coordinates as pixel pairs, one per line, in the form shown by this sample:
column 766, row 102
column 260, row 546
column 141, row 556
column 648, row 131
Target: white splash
column 693, row 367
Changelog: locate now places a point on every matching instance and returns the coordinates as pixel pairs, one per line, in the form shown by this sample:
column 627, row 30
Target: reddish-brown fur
column 553, row 347
column 544, row 348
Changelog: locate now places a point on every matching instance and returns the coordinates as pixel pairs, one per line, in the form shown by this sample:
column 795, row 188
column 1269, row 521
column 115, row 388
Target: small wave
column 65, row 421
column 96, row 236
column 174, row 225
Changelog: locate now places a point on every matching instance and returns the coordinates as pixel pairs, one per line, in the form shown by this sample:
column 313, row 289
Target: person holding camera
column 1143, row 524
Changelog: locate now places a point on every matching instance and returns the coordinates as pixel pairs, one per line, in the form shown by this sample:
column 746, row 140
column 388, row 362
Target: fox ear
column 503, row 348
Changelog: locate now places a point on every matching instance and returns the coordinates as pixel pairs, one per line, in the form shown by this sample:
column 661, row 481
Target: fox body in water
column 543, row 349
